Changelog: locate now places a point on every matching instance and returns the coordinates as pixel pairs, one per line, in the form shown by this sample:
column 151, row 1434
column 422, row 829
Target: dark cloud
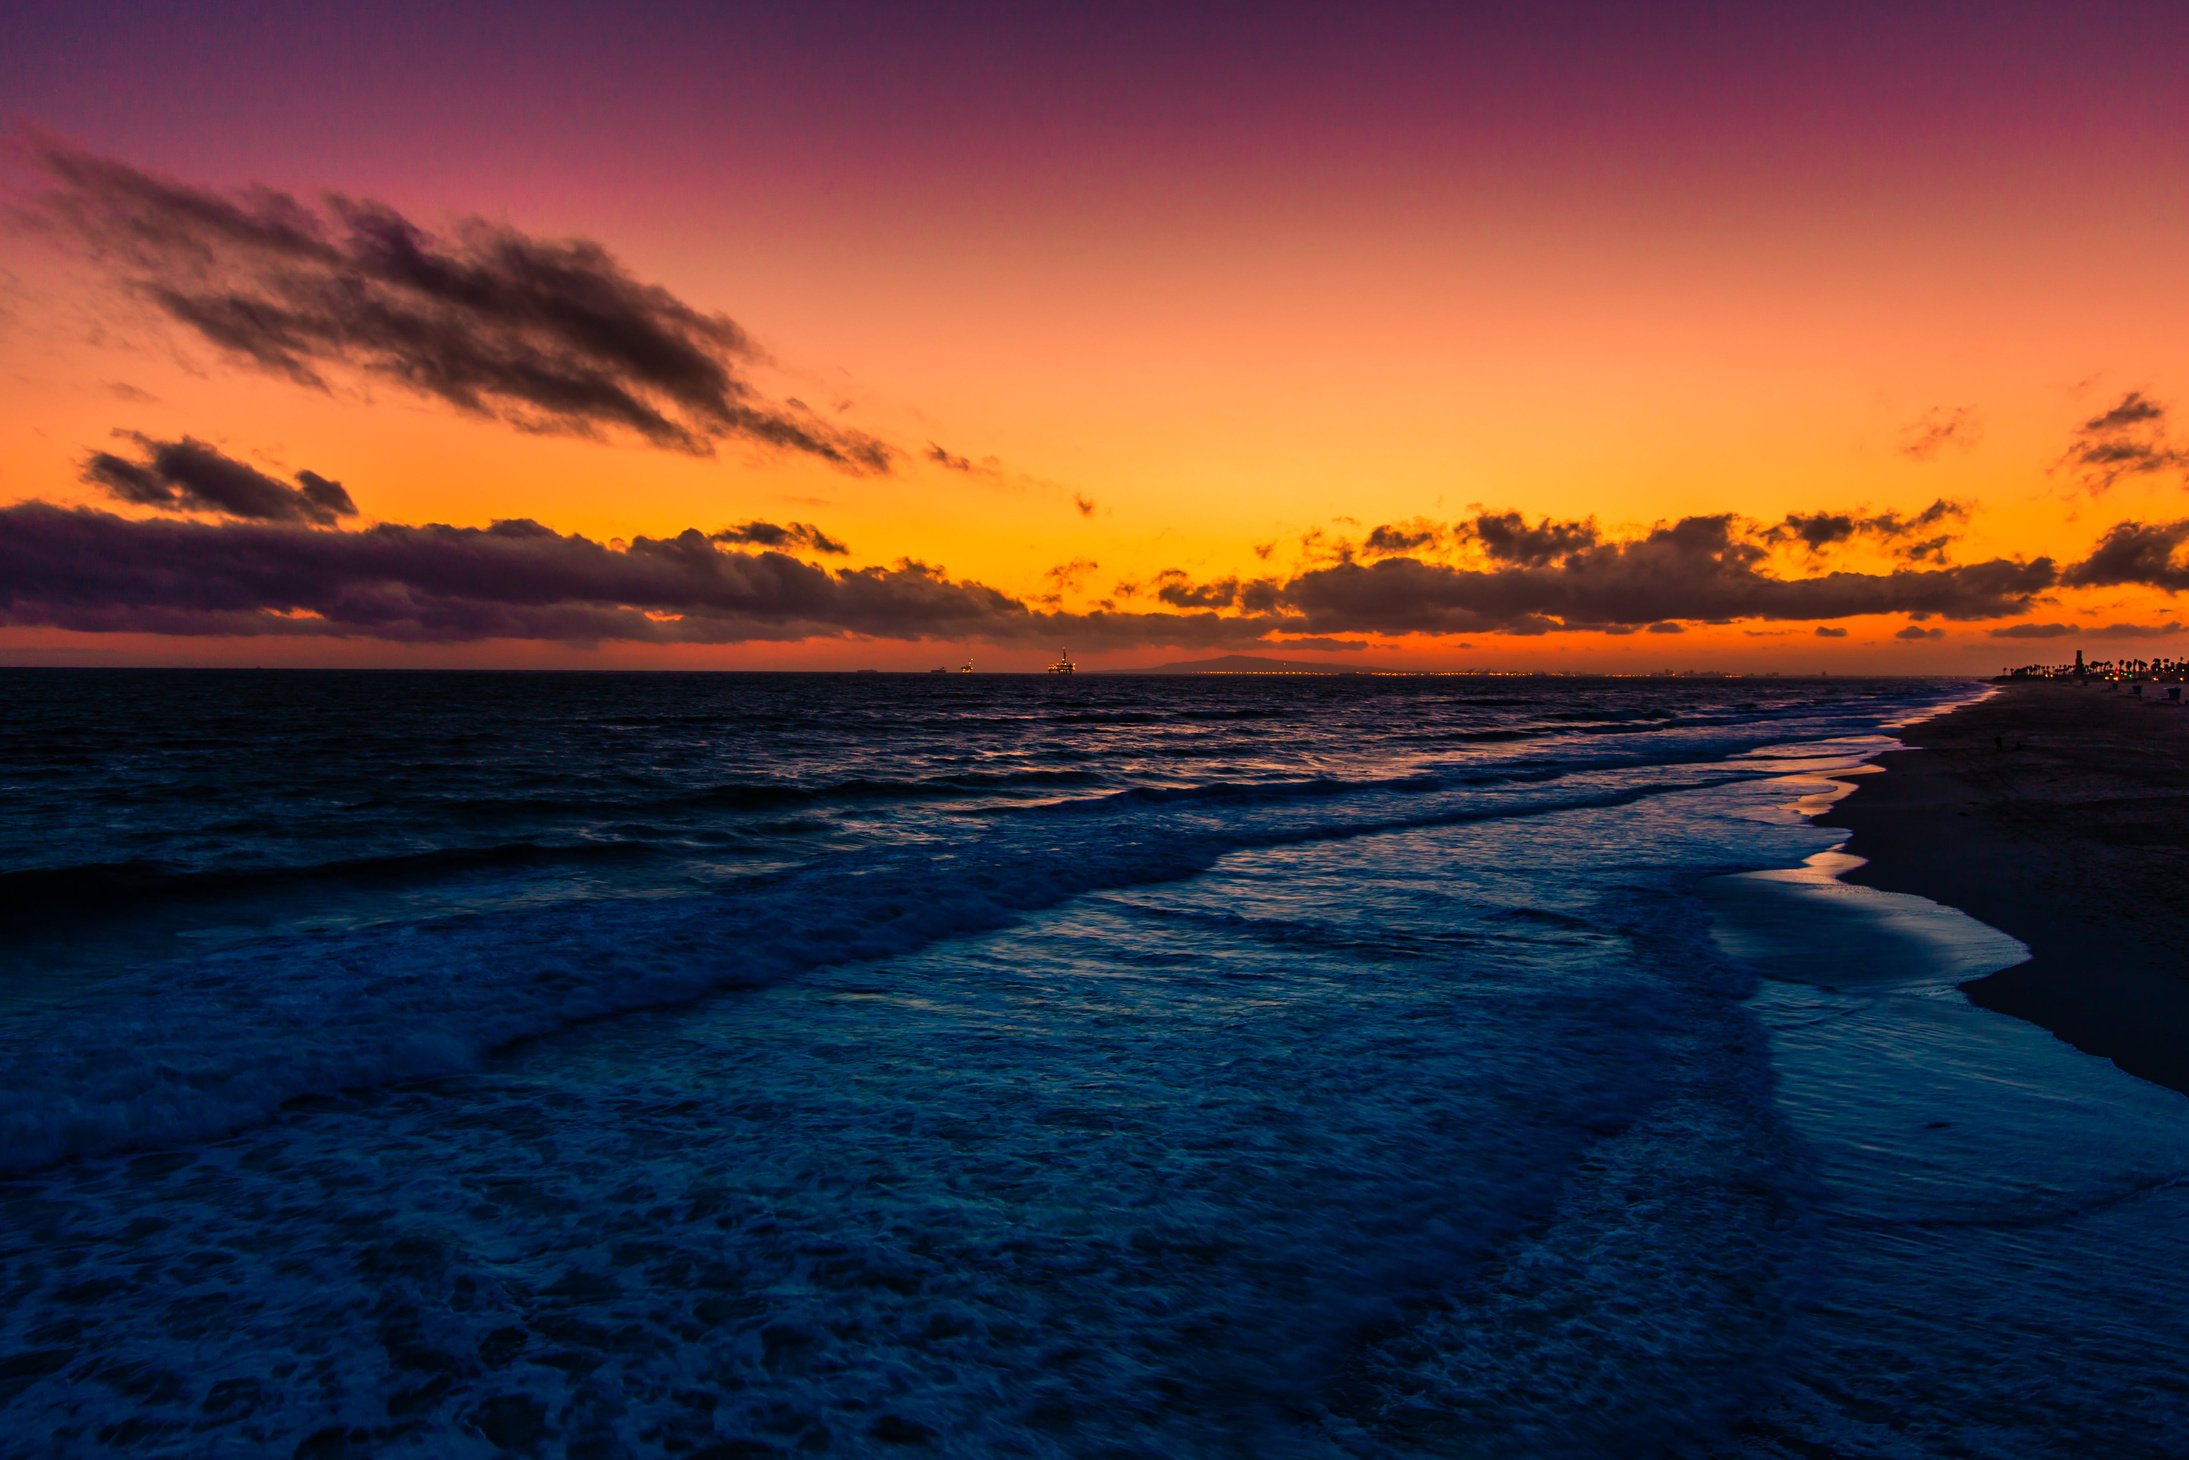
column 1923, row 438
column 1917, row 631
column 1317, row 547
column 1393, row 538
column 781, row 535
column 2127, row 440
column 1086, row 505
column 1068, row 576
column 1174, row 587
column 1827, row 631
column 548, row 334
column 190, row 476
column 1892, row 524
column 1698, row 568
column 2146, row 553
column 2088, row 631
column 2135, row 409
column 1507, row 538
column 1816, row 531
column 88, row 570
column 1929, row 550
column 83, row 569
column 951, row 461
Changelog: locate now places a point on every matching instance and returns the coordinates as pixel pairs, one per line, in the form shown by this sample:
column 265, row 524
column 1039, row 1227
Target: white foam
column 1806, row 924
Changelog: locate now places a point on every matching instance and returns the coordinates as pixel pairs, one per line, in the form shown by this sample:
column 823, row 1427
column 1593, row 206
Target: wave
column 1245, row 792
column 186, row 1050
column 226, row 1040
column 770, row 795
column 882, row 788
column 55, row 893
column 1167, row 716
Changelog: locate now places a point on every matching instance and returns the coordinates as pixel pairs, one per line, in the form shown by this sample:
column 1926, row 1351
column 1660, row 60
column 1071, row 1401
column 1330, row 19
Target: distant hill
column 1253, row 664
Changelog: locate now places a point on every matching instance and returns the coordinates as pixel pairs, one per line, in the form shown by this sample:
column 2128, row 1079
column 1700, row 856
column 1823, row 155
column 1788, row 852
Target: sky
column 1578, row 337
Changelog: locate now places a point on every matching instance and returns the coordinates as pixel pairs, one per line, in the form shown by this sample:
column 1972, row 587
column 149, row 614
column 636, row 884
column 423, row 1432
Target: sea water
column 740, row 1065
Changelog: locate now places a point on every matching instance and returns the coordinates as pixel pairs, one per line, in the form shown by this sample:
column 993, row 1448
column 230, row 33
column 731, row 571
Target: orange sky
column 1232, row 334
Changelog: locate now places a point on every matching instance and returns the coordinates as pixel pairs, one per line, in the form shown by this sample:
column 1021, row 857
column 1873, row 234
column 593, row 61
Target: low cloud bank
column 75, row 568
column 1562, row 575
column 79, row 568
column 2088, row 631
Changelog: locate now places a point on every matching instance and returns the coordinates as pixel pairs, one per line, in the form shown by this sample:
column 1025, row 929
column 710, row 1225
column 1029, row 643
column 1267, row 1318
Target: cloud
column 1929, row 550
column 91, row 570
column 1698, row 568
column 1393, row 538
column 88, row 570
column 1174, row 587
column 2135, row 409
column 1316, row 546
column 550, row 335
column 1086, row 505
column 951, row 461
column 775, row 535
column 1068, row 576
column 1917, row 631
column 1923, row 438
column 1507, row 538
column 1892, row 524
column 2127, row 440
column 190, row 476
column 1816, row 531
column 1827, row 631
column 2145, row 553
column 2088, row 631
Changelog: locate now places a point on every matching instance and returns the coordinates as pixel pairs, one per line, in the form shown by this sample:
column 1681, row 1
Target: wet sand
column 2076, row 842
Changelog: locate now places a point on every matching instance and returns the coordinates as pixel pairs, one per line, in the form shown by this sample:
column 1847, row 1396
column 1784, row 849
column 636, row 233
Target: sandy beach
column 2058, row 814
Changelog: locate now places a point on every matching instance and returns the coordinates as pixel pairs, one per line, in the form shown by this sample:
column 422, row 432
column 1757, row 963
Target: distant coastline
column 2058, row 813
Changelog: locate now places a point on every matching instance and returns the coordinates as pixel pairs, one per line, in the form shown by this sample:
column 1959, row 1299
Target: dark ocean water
column 455, row 1064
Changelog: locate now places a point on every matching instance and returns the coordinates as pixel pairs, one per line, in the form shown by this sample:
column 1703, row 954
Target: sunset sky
column 1850, row 338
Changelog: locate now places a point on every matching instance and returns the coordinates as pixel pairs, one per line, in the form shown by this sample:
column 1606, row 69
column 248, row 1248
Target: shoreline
column 2059, row 815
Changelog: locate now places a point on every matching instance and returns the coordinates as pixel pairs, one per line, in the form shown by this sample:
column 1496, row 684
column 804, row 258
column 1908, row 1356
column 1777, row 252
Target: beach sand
column 2073, row 838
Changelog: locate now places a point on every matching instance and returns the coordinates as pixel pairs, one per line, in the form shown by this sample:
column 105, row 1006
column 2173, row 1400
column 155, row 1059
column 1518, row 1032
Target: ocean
column 448, row 1064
